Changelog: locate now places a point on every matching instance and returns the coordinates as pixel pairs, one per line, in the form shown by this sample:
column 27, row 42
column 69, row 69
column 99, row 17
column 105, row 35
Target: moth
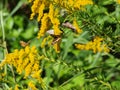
column 57, row 38
column 69, row 25
column 24, row 44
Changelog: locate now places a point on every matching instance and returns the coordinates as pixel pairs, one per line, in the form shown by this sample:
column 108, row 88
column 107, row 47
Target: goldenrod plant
column 59, row 45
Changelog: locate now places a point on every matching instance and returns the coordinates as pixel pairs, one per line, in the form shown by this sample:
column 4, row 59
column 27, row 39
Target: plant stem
column 3, row 31
column 3, row 40
column 5, row 46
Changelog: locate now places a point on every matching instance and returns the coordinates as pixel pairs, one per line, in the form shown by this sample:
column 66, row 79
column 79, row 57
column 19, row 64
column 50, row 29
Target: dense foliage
column 59, row 45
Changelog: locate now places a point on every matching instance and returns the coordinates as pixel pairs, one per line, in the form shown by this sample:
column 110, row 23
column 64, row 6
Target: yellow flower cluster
column 48, row 11
column 39, row 6
column 44, row 25
column 55, row 21
column 95, row 45
column 47, row 18
column 25, row 61
column 80, row 3
column 72, row 5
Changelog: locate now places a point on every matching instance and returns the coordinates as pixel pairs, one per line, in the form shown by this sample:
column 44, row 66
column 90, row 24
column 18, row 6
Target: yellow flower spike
column 55, row 21
column 51, row 12
column 35, row 8
column 94, row 45
column 78, row 30
column 57, row 31
column 44, row 26
column 41, row 8
column 56, row 24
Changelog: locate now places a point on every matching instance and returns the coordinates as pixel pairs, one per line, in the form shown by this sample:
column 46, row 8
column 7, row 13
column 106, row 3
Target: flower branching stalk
column 50, row 19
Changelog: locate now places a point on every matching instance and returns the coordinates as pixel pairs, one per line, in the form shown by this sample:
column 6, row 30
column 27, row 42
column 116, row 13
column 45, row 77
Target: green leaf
column 9, row 23
column 76, row 82
column 68, row 44
column 28, row 33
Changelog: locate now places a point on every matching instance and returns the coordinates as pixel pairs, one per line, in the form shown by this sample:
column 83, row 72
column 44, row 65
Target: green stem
column 3, row 34
column 79, row 73
column 3, row 31
column 4, row 45
column 3, row 40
